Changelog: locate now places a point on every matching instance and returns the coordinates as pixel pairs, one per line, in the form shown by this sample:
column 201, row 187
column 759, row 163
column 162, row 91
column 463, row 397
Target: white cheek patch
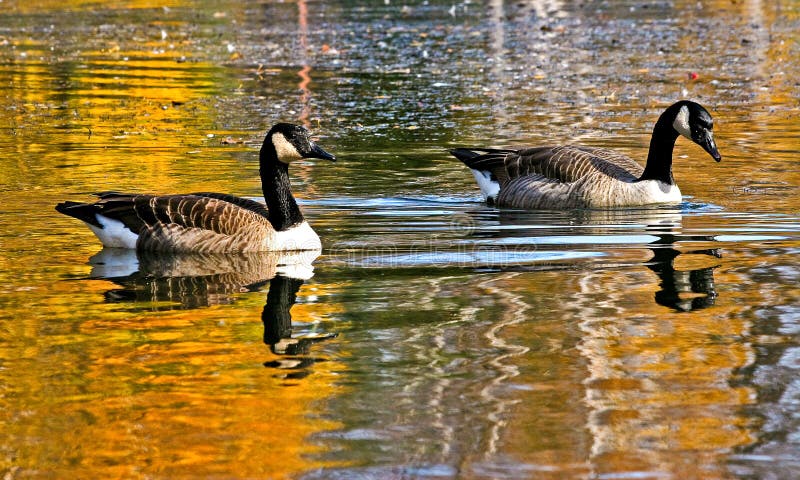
column 681, row 123
column 286, row 151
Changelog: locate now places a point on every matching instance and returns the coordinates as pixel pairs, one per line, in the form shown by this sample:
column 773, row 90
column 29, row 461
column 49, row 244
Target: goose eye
column 698, row 131
column 705, row 121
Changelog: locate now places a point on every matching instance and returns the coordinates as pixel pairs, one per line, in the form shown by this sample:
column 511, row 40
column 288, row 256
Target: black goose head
column 291, row 142
column 694, row 122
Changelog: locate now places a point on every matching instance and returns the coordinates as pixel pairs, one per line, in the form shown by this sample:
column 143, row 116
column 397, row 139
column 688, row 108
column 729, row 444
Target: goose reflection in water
column 186, row 281
column 277, row 320
column 619, row 229
column 696, row 285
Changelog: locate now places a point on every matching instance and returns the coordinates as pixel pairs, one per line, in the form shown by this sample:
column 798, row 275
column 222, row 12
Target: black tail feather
column 481, row 158
column 464, row 154
column 85, row 212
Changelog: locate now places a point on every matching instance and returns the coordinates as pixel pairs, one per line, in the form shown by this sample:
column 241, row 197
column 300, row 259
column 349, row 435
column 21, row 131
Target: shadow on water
column 188, row 281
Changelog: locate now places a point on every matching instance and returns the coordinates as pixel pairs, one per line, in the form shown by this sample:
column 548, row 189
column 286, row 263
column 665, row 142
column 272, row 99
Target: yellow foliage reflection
column 655, row 382
column 181, row 392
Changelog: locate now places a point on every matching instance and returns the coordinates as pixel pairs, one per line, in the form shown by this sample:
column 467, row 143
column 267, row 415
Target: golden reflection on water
column 636, row 383
column 121, row 392
column 612, row 382
column 591, row 370
column 45, row 5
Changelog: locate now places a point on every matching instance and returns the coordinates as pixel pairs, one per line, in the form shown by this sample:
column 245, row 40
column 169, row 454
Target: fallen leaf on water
column 328, row 50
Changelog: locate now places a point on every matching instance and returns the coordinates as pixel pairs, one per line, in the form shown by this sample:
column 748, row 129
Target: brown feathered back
column 198, row 222
column 554, row 176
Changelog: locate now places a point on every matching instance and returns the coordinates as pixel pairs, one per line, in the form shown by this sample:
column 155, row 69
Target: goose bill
column 708, row 144
column 318, row 152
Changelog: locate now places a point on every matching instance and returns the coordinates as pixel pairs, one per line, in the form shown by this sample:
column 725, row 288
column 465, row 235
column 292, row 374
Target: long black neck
column 283, row 210
column 659, row 159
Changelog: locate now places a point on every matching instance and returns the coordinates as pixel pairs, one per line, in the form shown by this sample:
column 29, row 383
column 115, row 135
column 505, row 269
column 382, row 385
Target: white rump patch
column 681, row 123
column 490, row 188
column 114, row 233
column 287, row 152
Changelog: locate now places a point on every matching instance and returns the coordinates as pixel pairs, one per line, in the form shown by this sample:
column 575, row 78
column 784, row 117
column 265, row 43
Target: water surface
column 434, row 336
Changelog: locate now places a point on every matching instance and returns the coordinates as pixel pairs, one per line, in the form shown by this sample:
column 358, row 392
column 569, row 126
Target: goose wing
column 216, row 212
column 563, row 164
column 570, row 163
column 245, row 203
column 199, row 222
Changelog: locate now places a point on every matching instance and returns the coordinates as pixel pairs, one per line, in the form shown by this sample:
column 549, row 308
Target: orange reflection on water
column 636, row 382
column 167, row 394
column 44, row 5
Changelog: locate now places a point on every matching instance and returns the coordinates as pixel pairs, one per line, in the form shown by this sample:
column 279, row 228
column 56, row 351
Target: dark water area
column 433, row 336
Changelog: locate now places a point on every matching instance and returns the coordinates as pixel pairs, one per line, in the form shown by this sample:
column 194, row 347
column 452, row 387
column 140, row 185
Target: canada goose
column 574, row 177
column 212, row 222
